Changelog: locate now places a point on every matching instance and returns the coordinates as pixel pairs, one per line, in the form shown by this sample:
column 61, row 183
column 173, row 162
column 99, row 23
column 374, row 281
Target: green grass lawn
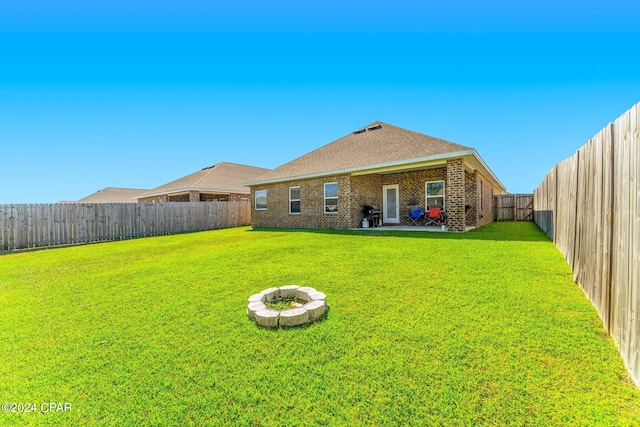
column 480, row 328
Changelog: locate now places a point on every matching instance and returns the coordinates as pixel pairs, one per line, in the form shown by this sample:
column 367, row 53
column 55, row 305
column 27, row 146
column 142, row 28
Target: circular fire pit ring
column 314, row 307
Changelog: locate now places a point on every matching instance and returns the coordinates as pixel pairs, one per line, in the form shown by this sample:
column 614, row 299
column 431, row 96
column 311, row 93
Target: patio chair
column 415, row 216
column 434, row 216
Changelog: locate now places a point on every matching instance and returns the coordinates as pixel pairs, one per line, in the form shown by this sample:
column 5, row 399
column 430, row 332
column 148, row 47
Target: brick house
column 220, row 182
column 383, row 166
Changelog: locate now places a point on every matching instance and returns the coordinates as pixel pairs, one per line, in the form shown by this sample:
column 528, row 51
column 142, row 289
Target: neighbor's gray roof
column 112, row 195
column 223, row 177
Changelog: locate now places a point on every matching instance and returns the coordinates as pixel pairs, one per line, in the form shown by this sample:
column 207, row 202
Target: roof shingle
column 375, row 144
column 112, row 195
column 223, row 177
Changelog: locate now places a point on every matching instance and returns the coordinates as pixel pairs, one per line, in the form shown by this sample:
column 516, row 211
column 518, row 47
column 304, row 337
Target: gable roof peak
column 375, row 144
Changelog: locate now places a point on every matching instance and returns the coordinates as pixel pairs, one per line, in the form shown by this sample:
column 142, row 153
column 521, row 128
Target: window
column 294, row 200
column 331, row 197
column 261, row 200
column 434, row 192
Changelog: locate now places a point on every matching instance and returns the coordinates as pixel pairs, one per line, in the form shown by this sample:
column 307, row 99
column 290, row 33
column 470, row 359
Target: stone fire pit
column 315, row 306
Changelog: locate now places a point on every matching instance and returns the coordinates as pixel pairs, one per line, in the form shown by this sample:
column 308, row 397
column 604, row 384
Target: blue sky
column 107, row 93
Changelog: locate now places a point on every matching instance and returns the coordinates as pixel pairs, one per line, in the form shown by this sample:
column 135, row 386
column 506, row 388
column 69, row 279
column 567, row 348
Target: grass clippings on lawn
column 478, row 328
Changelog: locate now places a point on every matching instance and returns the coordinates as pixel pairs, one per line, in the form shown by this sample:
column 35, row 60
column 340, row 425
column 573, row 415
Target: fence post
column 611, row 220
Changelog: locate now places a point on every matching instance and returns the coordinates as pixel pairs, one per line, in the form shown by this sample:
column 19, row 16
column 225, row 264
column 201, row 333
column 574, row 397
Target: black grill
column 372, row 215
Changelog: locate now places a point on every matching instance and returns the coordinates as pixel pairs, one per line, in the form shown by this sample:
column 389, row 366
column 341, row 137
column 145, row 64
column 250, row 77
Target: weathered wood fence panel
column 513, row 207
column 589, row 204
column 40, row 225
column 543, row 211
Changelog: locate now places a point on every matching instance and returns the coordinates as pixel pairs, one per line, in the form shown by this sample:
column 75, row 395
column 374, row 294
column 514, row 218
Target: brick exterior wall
column 311, row 205
column 461, row 188
column 179, row 198
column 486, row 191
column 455, row 195
column 471, row 198
column 479, row 198
column 366, row 190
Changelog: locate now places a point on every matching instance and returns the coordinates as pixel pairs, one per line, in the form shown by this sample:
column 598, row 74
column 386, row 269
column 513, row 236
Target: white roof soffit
column 471, row 157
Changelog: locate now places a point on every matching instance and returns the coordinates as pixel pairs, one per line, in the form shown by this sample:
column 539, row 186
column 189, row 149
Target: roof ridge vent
column 208, row 167
column 372, row 128
column 363, row 130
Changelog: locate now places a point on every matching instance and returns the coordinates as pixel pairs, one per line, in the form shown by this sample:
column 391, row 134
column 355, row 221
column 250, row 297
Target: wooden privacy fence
column 513, row 207
column 589, row 204
column 39, row 225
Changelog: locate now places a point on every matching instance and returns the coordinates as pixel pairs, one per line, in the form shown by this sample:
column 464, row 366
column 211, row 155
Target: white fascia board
column 362, row 170
column 486, row 168
column 365, row 168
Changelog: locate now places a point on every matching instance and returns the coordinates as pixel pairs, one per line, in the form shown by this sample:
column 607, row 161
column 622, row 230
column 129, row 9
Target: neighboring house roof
column 223, row 177
column 376, row 148
column 111, row 195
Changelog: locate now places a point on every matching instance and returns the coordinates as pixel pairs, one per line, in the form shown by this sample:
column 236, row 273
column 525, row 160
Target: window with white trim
column 294, row 200
column 434, row 194
column 261, row 200
column 331, row 197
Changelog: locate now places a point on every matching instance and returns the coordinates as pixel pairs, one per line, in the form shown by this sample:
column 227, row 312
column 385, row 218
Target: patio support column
column 454, row 193
column 194, row 196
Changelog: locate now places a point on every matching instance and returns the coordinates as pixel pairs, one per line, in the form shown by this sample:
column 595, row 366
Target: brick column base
column 455, row 195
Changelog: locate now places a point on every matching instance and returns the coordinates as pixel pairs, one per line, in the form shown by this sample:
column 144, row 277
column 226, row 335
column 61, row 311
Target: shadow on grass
column 321, row 319
column 499, row 231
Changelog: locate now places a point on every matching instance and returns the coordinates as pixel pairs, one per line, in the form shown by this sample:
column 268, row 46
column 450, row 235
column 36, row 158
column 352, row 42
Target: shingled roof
column 378, row 145
column 112, row 195
column 223, row 177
